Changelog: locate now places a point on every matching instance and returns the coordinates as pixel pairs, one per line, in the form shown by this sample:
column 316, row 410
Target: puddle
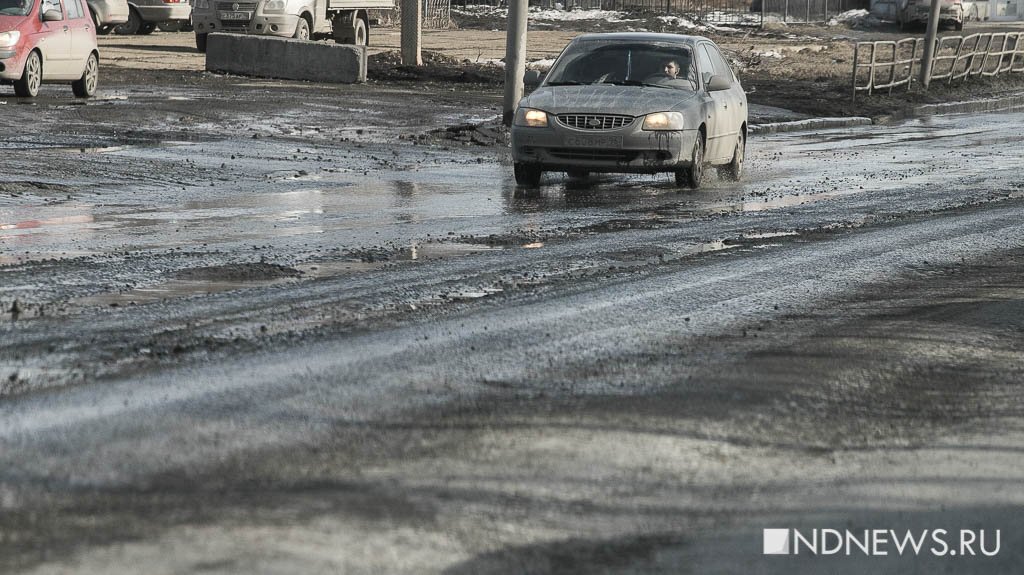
column 767, row 235
column 176, row 288
column 60, row 221
column 433, row 251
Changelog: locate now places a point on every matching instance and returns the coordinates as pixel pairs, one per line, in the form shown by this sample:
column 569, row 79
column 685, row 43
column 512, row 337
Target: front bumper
column 629, row 149
column 264, row 24
column 12, row 64
column 164, row 13
column 110, row 13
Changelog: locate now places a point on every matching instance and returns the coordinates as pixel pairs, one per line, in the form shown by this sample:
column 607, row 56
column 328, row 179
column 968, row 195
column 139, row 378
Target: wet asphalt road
column 320, row 342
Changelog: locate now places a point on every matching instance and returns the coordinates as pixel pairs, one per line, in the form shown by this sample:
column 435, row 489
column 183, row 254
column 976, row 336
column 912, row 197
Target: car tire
column 693, row 175
column 201, row 42
column 734, row 169
column 361, row 36
column 301, row 30
column 85, row 87
column 527, row 175
column 28, row 85
column 104, row 30
column 132, row 26
column 147, row 28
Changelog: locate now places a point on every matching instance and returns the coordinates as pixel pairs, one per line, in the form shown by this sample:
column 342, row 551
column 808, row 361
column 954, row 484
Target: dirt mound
column 437, row 67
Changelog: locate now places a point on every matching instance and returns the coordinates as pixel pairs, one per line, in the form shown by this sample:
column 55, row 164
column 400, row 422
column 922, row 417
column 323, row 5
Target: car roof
column 642, row 37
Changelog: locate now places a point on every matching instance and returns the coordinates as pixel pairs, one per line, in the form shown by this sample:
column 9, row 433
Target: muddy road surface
column 270, row 327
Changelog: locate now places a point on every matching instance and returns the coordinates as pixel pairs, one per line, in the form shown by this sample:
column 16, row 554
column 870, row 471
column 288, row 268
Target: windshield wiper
column 566, row 83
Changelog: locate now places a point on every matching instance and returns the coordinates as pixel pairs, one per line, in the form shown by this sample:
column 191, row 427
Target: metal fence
column 881, row 66
column 743, row 12
column 806, row 11
column 437, row 14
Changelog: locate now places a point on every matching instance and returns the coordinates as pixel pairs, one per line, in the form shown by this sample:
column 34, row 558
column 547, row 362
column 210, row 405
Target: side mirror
column 532, row 78
column 52, row 16
column 718, row 83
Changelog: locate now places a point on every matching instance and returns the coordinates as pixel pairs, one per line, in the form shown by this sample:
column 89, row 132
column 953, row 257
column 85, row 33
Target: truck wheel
column 201, row 42
column 361, row 35
column 301, row 30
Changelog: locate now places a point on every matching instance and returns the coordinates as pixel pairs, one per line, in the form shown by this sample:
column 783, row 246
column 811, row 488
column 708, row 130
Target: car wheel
column 734, row 170
column 201, row 42
column 693, row 175
column 104, row 30
column 28, row 85
column 147, row 28
column 527, row 174
column 85, row 87
column 133, row 24
column 578, row 174
column 301, row 30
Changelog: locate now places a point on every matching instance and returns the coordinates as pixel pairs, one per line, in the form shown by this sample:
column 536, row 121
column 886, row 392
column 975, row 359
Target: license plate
column 235, row 16
column 593, row 141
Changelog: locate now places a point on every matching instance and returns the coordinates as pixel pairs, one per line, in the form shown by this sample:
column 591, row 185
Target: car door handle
column 65, row 28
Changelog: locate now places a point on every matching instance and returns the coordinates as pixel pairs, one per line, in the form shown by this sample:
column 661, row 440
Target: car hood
column 607, row 99
column 10, row 23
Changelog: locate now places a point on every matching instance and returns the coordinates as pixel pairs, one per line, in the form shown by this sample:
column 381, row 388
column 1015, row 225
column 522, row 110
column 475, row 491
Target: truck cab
column 346, row 21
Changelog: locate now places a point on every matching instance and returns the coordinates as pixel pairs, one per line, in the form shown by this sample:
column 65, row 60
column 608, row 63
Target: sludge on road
column 312, row 348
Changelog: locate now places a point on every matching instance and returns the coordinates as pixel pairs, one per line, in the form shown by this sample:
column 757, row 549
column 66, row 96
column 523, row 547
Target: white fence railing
column 887, row 65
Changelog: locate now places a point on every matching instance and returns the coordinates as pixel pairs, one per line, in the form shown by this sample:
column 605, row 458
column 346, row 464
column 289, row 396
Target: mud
column 276, row 327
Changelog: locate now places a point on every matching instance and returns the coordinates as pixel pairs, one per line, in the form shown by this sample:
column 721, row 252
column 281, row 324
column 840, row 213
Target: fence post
column 871, row 71
column 856, row 54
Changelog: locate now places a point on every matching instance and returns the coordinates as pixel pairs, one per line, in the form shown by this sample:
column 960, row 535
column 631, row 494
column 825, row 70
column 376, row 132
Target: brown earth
column 807, row 69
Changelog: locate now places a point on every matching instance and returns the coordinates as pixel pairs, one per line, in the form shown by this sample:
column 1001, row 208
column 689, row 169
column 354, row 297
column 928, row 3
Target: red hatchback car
column 48, row 41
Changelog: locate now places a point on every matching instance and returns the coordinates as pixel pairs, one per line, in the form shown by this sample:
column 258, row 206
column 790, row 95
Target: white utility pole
column 412, row 21
column 928, row 58
column 515, row 57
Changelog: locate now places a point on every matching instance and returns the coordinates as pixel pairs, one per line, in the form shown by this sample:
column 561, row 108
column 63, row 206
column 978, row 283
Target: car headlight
column 663, row 121
column 274, row 7
column 8, row 39
column 532, row 118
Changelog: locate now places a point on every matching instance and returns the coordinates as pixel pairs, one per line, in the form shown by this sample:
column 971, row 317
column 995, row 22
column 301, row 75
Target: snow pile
column 553, row 15
column 679, row 22
column 540, row 65
column 855, row 19
column 540, row 14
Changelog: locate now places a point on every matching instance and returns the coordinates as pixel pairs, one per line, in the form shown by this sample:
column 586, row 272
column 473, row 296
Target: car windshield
column 662, row 65
column 15, row 7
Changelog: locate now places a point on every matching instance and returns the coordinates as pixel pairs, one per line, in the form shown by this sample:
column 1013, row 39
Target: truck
column 346, row 21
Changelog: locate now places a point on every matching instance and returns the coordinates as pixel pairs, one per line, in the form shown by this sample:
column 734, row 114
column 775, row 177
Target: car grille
column 594, row 121
column 623, row 156
column 242, row 6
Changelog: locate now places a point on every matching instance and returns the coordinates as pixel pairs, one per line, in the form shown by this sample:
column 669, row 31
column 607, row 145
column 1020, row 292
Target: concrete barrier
column 272, row 57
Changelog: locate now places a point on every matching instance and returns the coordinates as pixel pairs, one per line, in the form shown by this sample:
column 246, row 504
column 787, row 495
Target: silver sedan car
column 633, row 103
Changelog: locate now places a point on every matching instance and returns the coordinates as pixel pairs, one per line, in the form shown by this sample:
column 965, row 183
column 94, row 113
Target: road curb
column 809, row 124
column 992, row 105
